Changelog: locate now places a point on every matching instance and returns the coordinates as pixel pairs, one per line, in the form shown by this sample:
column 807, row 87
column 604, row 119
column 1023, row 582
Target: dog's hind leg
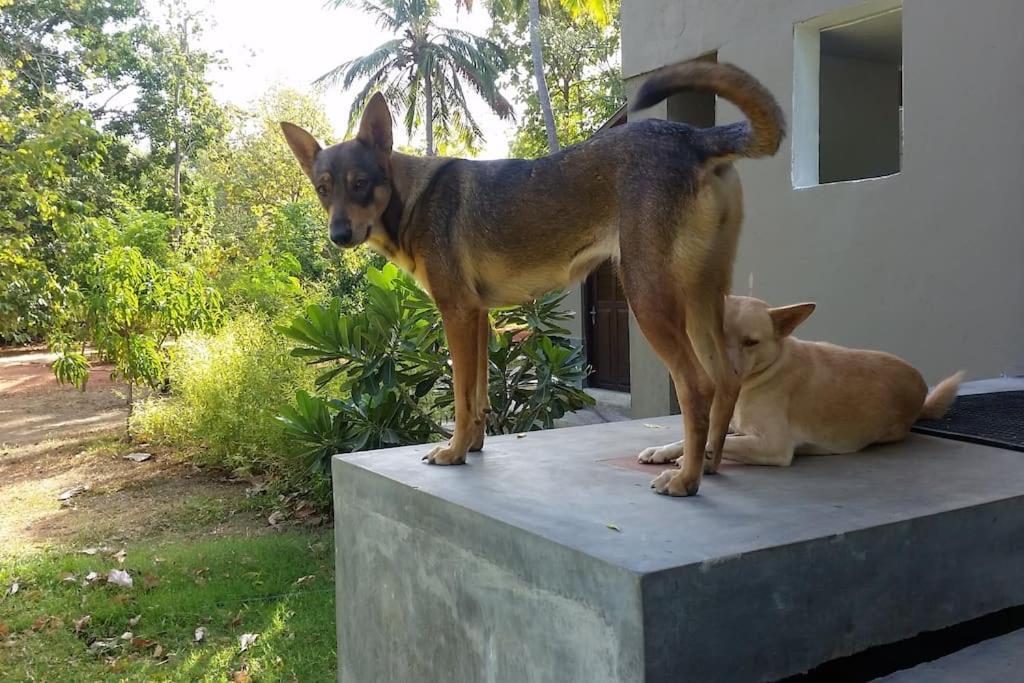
column 483, row 401
column 462, row 328
column 662, row 321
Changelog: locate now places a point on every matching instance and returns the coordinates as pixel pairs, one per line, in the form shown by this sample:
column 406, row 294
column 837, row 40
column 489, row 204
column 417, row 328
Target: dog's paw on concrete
column 659, row 455
column 444, row 454
column 673, row 483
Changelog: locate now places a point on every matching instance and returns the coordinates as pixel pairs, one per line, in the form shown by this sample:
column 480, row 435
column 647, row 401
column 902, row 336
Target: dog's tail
column 758, row 138
column 941, row 397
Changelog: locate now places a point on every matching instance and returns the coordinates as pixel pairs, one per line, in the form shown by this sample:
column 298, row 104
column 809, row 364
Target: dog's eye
column 751, row 342
column 321, row 190
column 360, row 185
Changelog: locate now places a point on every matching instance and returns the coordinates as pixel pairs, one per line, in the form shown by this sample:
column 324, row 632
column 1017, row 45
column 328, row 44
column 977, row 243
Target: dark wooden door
column 607, row 329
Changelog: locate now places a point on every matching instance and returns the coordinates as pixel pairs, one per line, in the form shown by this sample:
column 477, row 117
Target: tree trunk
column 538, row 72
column 428, row 88
column 183, row 38
column 128, row 420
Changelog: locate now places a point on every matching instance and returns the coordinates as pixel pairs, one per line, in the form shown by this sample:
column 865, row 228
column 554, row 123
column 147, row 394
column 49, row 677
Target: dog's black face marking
column 354, row 186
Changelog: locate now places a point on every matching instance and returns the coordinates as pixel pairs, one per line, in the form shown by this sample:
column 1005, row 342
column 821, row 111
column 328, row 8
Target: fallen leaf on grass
column 120, row 555
column 135, row 620
column 158, row 651
column 276, row 517
column 150, row 581
column 258, row 488
column 304, row 579
column 240, row 676
column 5, row 630
column 73, row 491
column 199, row 634
column 142, row 643
column 82, row 622
column 68, row 577
column 15, row 587
column 127, row 635
column 138, row 457
column 119, row 577
column 247, row 639
column 103, row 644
column 93, row 551
column 613, row 527
column 236, row 621
column 48, row 621
column 89, row 578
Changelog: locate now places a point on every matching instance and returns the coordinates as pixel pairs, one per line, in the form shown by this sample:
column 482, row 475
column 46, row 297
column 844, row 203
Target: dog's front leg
column 462, row 328
column 483, row 400
column 758, row 449
column 671, row 453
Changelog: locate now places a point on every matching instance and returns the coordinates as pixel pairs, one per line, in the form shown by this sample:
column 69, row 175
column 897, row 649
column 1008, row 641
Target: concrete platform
column 548, row 558
column 999, row 660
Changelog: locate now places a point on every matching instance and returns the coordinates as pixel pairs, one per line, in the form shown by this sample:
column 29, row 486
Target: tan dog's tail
column 758, row 138
column 941, row 397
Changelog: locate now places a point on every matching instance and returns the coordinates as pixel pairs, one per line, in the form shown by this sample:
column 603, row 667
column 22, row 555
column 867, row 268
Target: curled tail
column 758, row 138
column 941, row 397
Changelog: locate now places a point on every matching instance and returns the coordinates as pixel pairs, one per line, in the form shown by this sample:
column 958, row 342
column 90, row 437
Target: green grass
column 229, row 585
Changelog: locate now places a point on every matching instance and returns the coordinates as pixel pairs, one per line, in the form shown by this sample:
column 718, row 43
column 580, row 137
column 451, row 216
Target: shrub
column 226, row 389
column 387, row 380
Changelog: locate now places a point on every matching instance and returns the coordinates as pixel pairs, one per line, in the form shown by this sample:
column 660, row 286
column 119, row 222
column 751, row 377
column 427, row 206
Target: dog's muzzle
column 340, row 233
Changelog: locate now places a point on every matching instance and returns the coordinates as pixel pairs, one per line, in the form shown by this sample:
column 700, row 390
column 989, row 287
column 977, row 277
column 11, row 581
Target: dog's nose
column 340, row 233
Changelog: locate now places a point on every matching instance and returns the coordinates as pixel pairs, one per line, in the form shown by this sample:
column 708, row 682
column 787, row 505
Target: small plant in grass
column 386, row 378
column 226, row 387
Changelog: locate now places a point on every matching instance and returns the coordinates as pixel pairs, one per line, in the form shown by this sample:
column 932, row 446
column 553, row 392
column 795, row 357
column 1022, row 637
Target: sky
column 292, row 43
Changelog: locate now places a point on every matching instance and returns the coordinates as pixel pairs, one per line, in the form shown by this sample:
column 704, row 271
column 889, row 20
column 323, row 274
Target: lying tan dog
column 801, row 397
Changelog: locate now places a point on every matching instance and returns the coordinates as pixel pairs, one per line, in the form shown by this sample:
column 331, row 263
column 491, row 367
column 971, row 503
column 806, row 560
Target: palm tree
column 597, row 10
column 425, row 69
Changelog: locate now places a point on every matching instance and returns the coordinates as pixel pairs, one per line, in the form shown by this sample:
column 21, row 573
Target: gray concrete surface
column 924, row 263
column 547, row 558
column 999, row 660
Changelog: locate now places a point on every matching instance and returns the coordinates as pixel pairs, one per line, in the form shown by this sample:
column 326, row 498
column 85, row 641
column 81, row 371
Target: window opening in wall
column 848, row 95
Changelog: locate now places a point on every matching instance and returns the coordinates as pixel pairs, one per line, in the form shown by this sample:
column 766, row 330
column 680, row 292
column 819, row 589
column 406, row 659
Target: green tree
column 174, row 111
column 133, row 295
column 81, row 48
column 599, row 12
column 51, row 181
column 425, row 70
column 587, row 90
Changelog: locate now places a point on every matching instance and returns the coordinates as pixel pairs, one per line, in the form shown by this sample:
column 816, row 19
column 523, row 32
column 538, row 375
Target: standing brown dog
column 660, row 197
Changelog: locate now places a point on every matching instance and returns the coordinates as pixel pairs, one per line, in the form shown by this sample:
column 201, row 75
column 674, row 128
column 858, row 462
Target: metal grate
column 995, row 419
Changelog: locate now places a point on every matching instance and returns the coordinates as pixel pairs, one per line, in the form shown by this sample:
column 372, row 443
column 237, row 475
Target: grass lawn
column 197, row 545
column 228, row 586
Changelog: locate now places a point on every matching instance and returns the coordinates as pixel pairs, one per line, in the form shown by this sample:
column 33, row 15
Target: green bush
column 387, row 380
column 226, row 389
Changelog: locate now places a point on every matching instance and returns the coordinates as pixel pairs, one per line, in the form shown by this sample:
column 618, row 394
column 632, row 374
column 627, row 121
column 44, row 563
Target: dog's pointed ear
column 375, row 126
column 304, row 146
column 788, row 318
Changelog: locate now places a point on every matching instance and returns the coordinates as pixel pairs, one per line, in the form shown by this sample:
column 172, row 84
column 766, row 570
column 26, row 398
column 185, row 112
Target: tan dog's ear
column 304, row 146
column 788, row 318
column 375, row 126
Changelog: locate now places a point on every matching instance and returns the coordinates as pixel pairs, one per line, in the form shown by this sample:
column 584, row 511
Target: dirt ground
column 54, row 439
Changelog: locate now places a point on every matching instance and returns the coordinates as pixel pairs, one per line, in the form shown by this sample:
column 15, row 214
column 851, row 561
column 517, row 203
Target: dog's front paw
column 444, row 454
column 673, row 483
column 661, row 454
